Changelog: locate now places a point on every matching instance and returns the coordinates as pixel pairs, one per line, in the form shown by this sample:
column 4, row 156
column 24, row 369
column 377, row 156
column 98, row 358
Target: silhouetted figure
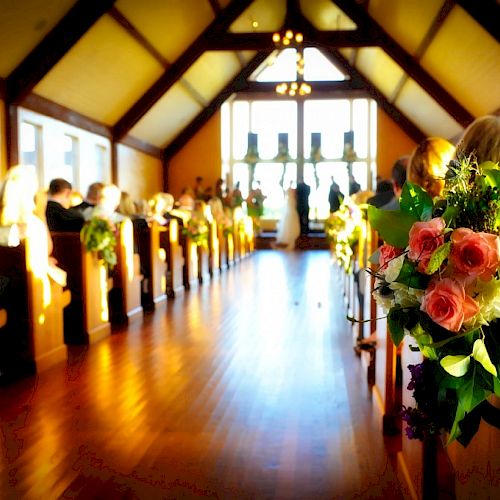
column 303, row 191
column 335, row 197
column 59, row 216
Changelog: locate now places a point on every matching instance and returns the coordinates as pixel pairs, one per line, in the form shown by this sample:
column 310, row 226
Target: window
column 31, row 147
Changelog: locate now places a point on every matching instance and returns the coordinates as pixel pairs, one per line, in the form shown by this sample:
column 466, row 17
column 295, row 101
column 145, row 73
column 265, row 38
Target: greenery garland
column 98, row 235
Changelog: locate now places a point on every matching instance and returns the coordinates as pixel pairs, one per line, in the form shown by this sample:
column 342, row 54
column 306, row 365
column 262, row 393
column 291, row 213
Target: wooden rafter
column 320, row 86
column 178, row 68
column 263, row 41
column 486, row 13
column 239, row 82
column 53, row 47
column 406, row 61
column 405, row 123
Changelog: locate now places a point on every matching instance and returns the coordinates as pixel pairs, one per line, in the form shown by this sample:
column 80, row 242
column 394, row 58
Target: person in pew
column 107, row 205
column 186, row 200
column 481, row 139
column 92, row 198
column 383, row 194
column 19, row 222
column 398, row 175
column 428, row 162
column 60, row 217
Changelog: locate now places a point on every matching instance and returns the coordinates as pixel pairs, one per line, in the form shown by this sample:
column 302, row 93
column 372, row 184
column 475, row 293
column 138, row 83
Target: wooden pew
column 86, row 319
column 190, row 254
column 213, row 249
column 249, row 235
column 125, row 296
column 171, row 242
column 3, row 318
column 153, row 259
column 33, row 318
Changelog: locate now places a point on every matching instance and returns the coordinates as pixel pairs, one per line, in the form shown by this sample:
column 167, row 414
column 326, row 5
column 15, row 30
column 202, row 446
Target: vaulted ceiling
column 156, row 70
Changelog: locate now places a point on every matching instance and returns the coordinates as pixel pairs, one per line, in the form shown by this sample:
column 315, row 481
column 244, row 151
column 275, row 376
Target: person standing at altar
column 335, row 197
column 303, row 191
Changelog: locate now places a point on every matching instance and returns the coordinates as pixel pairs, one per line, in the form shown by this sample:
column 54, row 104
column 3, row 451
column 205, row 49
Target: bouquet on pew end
column 439, row 282
column 196, row 229
column 343, row 229
column 98, row 235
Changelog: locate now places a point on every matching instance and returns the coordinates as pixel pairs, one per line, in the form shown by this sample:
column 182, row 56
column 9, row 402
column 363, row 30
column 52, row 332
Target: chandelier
column 289, row 39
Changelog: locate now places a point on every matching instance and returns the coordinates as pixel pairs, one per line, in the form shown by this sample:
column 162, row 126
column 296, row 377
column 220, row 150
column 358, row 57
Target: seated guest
column 107, row 205
column 383, row 194
column 186, row 201
column 481, row 139
column 92, row 198
column 428, row 164
column 398, row 179
column 59, row 216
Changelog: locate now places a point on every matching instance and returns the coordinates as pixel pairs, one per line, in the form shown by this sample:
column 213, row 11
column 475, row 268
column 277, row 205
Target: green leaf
column 438, row 256
column 416, row 201
column 396, row 320
column 392, row 225
column 471, row 393
column 492, row 176
column 455, row 430
column 409, row 276
column 480, row 354
column 449, row 214
column 456, row 365
column 496, row 386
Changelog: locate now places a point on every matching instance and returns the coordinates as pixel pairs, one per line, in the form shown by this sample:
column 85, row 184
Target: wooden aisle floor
column 246, row 387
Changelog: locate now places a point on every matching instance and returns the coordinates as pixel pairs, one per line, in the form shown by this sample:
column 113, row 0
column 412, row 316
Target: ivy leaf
column 491, row 175
column 455, row 430
column 416, row 201
column 496, row 386
column 456, row 365
column 409, row 276
column 393, row 226
column 480, row 354
column 471, row 393
column 438, row 256
column 396, row 320
column 449, row 214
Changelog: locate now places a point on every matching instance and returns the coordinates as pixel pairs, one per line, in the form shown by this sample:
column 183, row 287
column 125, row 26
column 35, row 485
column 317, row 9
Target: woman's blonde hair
column 126, row 206
column 481, row 139
column 428, row 164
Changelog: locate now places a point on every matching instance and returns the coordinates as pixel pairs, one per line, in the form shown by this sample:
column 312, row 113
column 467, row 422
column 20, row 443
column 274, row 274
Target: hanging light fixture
column 289, row 39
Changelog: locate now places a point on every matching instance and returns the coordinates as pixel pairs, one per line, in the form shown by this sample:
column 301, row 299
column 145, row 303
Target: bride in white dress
column 289, row 225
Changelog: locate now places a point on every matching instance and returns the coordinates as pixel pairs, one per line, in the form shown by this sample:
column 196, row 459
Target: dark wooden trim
column 53, row 47
column 485, row 12
column 3, row 89
column 405, row 123
column 215, row 6
column 142, row 146
column 137, row 36
column 263, row 41
column 178, row 68
column 315, row 95
column 114, row 163
column 237, row 83
column 406, row 61
column 46, row 107
column 165, row 165
column 334, row 86
column 12, row 134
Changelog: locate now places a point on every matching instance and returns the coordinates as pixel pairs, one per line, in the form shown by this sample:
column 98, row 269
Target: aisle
column 243, row 388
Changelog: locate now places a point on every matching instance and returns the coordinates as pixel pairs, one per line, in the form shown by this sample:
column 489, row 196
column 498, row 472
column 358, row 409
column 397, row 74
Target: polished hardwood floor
column 246, row 387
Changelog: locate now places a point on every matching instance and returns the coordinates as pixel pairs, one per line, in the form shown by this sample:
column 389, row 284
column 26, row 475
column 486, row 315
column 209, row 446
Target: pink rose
column 425, row 237
column 447, row 304
column 386, row 254
column 474, row 254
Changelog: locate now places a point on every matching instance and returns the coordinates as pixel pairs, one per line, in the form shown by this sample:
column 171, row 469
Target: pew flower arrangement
column 98, row 235
column 439, row 282
column 197, row 230
column 343, row 229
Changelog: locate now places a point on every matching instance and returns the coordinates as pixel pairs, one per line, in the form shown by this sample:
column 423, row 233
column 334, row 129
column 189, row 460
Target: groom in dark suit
column 303, row 191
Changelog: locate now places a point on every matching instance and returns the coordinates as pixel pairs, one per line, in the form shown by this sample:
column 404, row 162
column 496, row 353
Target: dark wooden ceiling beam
column 486, row 13
column 319, row 86
column 263, row 41
column 406, row 61
column 53, row 47
column 239, row 82
column 405, row 123
column 178, row 68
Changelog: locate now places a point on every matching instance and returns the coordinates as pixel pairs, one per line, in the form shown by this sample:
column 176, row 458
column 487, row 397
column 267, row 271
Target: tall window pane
column 30, row 142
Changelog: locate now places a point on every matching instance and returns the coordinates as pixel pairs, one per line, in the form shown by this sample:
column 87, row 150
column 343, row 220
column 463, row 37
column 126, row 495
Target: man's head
column 94, row 193
column 60, row 191
column 399, row 175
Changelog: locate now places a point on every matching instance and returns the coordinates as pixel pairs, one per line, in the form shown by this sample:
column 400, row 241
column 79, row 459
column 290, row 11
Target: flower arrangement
column 197, row 230
column 438, row 280
column 98, row 235
column 343, row 229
